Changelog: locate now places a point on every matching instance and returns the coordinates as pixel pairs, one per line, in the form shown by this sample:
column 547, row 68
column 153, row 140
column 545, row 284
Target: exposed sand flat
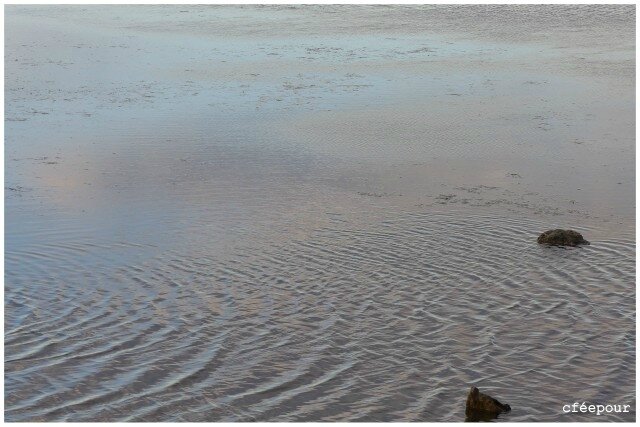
column 321, row 213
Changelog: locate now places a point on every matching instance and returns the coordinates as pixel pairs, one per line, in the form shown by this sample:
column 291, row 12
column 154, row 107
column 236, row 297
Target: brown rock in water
column 560, row 237
column 481, row 407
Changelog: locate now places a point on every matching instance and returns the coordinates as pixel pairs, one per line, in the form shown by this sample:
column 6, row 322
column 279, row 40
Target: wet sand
column 285, row 213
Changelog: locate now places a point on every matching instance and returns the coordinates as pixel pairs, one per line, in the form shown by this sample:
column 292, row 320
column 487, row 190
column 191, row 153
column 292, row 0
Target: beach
column 317, row 213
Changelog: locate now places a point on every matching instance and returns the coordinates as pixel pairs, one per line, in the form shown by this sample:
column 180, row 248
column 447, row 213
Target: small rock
column 560, row 237
column 481, row 407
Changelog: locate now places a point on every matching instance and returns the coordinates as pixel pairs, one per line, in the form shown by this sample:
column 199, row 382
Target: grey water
column 317, row 213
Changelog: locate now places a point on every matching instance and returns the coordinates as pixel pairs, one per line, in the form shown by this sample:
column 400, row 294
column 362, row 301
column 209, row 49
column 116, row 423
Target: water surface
column 286, row 213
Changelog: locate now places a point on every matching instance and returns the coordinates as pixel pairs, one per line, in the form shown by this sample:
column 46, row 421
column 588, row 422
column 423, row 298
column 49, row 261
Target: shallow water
column 317, row 213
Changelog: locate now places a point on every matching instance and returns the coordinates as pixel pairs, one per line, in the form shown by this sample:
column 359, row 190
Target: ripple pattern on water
column 392, row 321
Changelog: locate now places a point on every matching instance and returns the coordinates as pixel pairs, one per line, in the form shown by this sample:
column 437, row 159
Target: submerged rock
column 481, row 407
column 560, row 237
